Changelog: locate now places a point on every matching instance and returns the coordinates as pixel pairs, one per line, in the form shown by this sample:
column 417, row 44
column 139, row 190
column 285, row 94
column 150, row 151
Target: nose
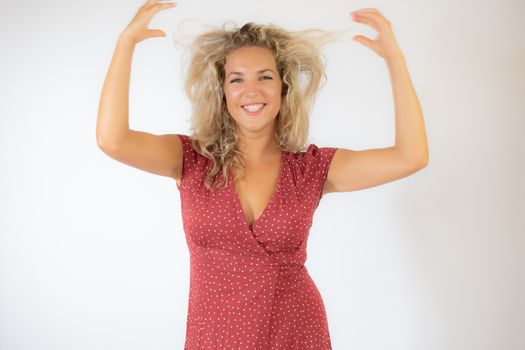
column 252, row 88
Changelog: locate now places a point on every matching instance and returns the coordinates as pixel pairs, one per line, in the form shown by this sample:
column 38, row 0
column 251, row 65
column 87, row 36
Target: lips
column 253, row 107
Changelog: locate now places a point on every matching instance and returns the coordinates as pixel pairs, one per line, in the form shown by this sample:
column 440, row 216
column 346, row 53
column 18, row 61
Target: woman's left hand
column 385, row 44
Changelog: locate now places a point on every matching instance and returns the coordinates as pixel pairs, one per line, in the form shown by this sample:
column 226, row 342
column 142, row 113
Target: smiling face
column 252, row 87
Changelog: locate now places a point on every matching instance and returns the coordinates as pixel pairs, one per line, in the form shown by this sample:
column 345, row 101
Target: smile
column 254, row 107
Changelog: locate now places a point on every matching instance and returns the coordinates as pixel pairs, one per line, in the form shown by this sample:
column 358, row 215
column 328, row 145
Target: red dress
column 249, row 288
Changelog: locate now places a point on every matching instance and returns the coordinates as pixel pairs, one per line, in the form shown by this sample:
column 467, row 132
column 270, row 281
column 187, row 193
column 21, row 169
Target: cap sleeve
column 193, row 162
column 317, row 162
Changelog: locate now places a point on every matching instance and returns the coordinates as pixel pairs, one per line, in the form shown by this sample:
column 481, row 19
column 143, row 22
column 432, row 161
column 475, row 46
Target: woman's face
column 252, row 87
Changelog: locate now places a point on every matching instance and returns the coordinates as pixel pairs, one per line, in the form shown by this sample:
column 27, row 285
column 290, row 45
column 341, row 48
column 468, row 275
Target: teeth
column 253, row 108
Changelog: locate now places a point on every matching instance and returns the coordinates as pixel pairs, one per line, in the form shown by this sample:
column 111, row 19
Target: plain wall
column 92, row 251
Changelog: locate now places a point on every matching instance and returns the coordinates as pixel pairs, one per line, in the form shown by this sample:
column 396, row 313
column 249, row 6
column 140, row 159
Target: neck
column 256, row 147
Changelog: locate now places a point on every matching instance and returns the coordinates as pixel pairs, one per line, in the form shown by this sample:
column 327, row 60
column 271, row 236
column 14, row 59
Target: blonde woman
column 248, row 184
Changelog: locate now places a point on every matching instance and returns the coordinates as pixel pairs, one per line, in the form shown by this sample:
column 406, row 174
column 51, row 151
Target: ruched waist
column 234, row 262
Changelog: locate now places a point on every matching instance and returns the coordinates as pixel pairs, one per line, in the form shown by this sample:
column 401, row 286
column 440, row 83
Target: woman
column 248, row 194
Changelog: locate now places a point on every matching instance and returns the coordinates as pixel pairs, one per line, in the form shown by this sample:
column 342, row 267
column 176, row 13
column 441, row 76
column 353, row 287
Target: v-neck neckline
column 268, row 205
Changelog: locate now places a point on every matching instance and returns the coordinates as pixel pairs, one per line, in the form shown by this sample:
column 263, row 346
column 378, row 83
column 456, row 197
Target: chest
column 269, row 208
column 256, row 189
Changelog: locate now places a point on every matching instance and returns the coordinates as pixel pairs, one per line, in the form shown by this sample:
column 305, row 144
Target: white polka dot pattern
column 249, row 288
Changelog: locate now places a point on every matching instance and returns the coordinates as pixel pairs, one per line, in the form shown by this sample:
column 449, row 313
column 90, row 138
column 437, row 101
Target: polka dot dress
column 249, row 287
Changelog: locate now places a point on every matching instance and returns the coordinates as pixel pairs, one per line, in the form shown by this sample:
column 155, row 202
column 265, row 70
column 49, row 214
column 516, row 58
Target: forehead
column 248, row 58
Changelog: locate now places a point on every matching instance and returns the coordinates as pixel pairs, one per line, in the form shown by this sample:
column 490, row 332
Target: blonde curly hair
column 301, row 67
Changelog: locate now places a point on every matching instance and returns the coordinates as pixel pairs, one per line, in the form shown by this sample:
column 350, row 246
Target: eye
column 266, row 77
column 235, row 80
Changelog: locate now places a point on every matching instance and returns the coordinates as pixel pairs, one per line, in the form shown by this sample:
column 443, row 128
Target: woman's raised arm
column 159, row 154
column 353, row 170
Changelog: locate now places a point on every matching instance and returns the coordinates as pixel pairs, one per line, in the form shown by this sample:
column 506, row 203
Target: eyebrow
column 259, row 71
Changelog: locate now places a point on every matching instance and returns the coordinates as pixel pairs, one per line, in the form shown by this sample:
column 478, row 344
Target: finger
column 370, row 14
column 152, row 33
column 150, row 12
column 364, row 18
column 154, row 3
column 162, row 6
column 368, row 10
column 362, row 40
column 366, row 14
column 372, row 20
column 166, row 5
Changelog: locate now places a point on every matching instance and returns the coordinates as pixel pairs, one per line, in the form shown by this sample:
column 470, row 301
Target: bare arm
column 352, row 170
column 112, row 122
column 159, row 154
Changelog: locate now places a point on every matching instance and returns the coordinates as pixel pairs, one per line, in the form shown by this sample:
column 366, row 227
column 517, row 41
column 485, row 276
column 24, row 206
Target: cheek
column 277, row 89
column 232, row 95
column 275, row 94
column 232, row 100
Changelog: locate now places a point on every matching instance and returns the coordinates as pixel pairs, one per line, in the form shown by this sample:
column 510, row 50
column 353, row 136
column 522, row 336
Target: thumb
column 362, row 40
column 152, row 33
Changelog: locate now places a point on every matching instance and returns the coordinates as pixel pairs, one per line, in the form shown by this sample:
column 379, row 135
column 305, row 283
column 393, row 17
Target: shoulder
column 313, row 154
column 310, row 163
column 193, row 158
column 189, row 145
column 186, row 140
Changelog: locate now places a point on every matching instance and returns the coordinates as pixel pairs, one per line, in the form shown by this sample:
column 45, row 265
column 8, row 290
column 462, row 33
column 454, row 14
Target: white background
column 92, row 251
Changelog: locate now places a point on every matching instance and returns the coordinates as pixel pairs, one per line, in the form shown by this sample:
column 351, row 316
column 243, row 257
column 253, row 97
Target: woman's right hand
column 137, row 30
